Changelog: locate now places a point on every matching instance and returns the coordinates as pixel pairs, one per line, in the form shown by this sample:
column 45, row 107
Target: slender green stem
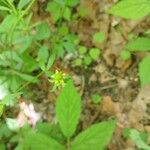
column 11, row 6
column 28, row 8
column 68, row 144
column 27, row 83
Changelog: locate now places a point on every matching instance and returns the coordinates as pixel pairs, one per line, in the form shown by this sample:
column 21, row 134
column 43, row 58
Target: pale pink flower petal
column 29, row 113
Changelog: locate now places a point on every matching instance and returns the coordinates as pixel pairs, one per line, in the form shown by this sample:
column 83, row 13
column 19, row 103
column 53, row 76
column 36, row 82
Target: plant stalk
column 68, row 144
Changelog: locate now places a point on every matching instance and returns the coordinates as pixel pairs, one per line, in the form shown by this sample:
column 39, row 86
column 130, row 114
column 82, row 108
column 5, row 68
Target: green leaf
column 3, row 88
column 69, row 47
column 61, row 2
column 52, row 7
column 10, row 99
column 135, row 136
column 27, row 77
column 44, row 128
column 72, row 3
column 39, row 141
column 131, row 9
column 82, row 50
column 94, row 53
column 2, row 146
column 96, row 98
column 50, row 61
column 58, row 49
column 7, row 23
column 125, row 55
column 51, row 130
column 14, row 82
column 144, row 71
column 43, row 55
column 23, row 3
column 43, row 31
column 63, row 30
column 78, row 62
column 87, row 60
column 29, row 63
column 1, row 108
column 99, row 37
column 68, row 108
column 3, row 8
column 94, row 138
column 12, row 124
column 67, row 14
column 19, row 147
column 83, row 11
column 139, row 44
column 4, row 131
column 22, row 43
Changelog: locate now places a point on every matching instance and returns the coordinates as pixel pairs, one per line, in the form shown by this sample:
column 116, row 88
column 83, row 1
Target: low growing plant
column 68, row 110
column 86, row 57
column 64, row 135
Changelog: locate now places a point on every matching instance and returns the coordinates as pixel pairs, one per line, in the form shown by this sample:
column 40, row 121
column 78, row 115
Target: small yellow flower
column 58, row 79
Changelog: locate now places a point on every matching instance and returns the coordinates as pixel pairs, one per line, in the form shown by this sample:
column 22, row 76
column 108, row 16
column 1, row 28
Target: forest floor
column 111, row 77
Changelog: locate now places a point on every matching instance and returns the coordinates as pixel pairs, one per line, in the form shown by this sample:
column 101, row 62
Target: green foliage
column 99, row 37
column 63, row 8
column 131, row 9
column 12, row 124
column 4, row 131
column 144, row 71
column 86, row 57
column 96, row 98
column 78, row 62
column 135, row 9
column 63, row 30
column 43, row 55
column 23, row 3
column 82, row 50
column 45, row 60
column 64, row 44
column 9, row 99
column 2, row 146
column 39, row 141
column 68, row 108
column 1, row 108
column 53, row 136
column 125, row 55
column 139, row 138
column 135, row 136
column 87, row 60
column 27, row 50
column 94, row 53
column 43, row 31
column 94, row 138
column 83, row 11
column 139, row 44
column 51, row 130
column 14, row 44
column 68, row 118
column 19, row 39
